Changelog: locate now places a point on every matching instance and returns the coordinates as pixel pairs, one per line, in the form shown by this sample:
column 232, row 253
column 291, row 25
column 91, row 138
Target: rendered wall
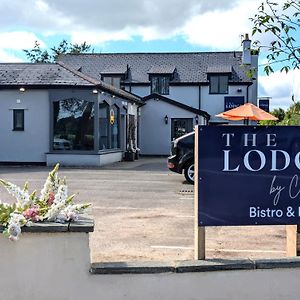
column 214, row 103
column 31, row 144
column 155, row 135
column 56, row 266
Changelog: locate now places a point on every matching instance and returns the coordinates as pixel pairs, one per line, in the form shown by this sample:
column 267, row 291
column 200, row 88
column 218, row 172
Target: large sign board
column 248, row 175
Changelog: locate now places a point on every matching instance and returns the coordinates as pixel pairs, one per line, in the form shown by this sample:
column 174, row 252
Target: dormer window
column 218, row 84
column 218, row 77
column 160, row 77
column 115, row 75
column 160, row 84
column 112, row 80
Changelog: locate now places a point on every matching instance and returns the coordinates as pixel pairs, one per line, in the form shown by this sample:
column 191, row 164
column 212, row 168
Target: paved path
column 143, row 211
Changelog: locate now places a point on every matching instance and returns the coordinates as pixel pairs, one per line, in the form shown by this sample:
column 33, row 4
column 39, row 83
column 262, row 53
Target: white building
column 178, row 89
column 94, row 109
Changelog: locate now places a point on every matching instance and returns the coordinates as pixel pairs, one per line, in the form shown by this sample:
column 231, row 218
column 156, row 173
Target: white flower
column 23, row 198
column 14, row 231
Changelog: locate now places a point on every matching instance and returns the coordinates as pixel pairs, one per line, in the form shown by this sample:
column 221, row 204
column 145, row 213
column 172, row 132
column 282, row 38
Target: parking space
column 144, row 212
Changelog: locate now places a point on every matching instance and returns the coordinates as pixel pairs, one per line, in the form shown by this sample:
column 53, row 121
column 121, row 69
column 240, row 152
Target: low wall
column 87, row 160
column 52, row 261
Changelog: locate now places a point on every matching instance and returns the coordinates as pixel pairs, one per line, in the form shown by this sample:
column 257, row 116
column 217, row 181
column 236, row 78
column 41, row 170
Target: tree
column 289, row 117
column 282, row 23
column 37, row 55
column 277, row 112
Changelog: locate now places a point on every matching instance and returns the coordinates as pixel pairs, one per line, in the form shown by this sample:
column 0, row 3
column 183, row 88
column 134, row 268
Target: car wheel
column 189, row 172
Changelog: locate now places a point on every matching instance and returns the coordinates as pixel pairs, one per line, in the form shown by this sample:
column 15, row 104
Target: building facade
column 50, row 113
column 94, row 109
column 179, row 90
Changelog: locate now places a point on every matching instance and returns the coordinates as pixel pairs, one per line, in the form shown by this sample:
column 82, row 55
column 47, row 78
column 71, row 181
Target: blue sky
column 138, row 26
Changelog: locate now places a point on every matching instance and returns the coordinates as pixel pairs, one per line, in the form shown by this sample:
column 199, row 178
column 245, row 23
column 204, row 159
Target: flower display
column 52, row 205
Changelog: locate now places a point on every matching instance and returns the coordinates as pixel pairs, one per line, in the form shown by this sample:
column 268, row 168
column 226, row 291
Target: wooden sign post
column 292, row 240
column 199, row 231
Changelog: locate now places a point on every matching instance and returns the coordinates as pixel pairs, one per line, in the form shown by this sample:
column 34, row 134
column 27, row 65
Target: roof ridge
column 100, row 83
column 77, row 73
column 147, row 53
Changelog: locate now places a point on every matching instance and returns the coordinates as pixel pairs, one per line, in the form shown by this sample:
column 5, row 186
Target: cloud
column 6, row 56
column 221, row 29
column 18, row 40
column 280, row 86
column 150, row 19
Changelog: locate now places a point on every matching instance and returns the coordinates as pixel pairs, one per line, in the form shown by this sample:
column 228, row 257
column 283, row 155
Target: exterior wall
column 141, row 91
column 155, row 135
column 253, row 88
column 214, row 103
column 31, row 144
column 56, row 266
column 188, row 95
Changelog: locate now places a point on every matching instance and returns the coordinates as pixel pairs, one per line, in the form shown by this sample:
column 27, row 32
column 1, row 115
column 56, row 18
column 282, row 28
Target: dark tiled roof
column 59, row 74
column 190, row 67
column 161, row 69
column 122, row 69
column 219, row 69
column 39, row 75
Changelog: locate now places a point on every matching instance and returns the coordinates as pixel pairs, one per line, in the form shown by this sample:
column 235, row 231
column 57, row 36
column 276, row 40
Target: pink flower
column 51, row 199
column 32, row 213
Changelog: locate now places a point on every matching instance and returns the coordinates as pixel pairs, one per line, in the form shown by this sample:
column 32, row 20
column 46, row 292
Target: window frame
column 15, row 113
column 163, row 83
column 219, row 90
column 54, row 124
column 104, row 105
column 111, row 127
column 113, row 80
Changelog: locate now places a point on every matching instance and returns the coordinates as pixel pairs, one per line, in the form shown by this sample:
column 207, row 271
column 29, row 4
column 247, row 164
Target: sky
column 139, row 26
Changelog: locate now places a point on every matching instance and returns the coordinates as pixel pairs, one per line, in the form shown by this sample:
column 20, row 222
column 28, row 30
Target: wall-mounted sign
column 112, row 117
column 233, row 102
column 264, row 104
column 248, row 175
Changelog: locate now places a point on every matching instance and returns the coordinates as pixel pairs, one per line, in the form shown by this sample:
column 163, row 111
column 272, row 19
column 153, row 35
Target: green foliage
column 5, row 211
column 281, row 23
column 37, row 55
column 290, row 117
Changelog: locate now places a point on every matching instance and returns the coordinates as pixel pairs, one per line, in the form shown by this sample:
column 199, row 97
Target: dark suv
column 182, row 156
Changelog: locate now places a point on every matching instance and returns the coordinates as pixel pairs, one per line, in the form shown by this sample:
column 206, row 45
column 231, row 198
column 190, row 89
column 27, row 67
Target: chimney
column 246, row 58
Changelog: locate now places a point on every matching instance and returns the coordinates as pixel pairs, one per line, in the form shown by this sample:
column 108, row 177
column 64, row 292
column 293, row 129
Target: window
column 218, row 84
column 18, row 119
column 115, row 130
column 103, row 126
column 160, row 85
column 73, row 125
column 109, row 126
column 114, row 81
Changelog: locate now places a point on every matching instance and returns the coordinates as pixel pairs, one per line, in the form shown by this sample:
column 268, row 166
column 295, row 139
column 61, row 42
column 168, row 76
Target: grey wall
column 155, row 135
column 31, row 144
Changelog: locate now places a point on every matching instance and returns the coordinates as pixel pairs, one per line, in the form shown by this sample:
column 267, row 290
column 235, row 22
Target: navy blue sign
column 232, row 102
column 264, row 104
column 248, row 175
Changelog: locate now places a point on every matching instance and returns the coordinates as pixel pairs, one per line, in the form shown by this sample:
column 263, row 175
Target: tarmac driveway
column 143, row 211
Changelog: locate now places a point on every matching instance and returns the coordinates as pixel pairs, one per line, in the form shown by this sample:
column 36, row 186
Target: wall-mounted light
column 22, row 89
column 197, row 120
column 239, row 90
column 166, row 119
column 95, row 91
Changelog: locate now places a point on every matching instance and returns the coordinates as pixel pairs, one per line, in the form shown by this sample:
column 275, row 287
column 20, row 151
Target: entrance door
column 180, row 127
